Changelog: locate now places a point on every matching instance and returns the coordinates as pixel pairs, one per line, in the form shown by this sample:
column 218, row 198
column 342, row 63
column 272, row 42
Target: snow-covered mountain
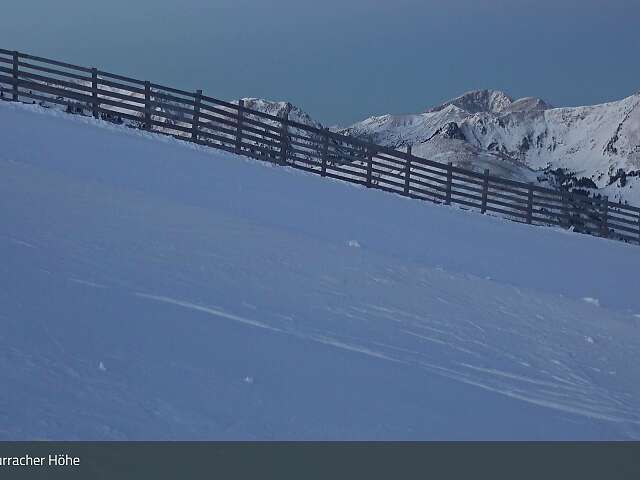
column 281, row 109
column 592, row 147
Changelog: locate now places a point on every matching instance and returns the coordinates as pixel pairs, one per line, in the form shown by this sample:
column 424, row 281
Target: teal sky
column 345, row 60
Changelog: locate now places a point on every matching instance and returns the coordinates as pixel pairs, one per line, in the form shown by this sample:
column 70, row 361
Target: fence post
column 195, row 119
column 485, row 191
column 604, row 214
column 565, row 209
column 284, row 141
column 147, row 105
column 94, row 92
column 325, row 152
column 530, row 205
column 15, row 75
column 369, row 166
column 407, row 172
column 239, row 126
column 449, row 182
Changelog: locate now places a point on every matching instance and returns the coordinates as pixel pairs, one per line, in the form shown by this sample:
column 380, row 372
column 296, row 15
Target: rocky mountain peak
column 527, row 104
column 282, row 110
column 477, row 101
column 450, row 130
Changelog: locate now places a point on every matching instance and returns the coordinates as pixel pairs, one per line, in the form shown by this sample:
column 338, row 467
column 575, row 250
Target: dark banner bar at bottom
column 311, row 460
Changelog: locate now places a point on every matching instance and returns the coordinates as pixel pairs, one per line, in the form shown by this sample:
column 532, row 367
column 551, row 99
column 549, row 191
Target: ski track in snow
column 316, row 338
column 87, row 283
column 549, row 397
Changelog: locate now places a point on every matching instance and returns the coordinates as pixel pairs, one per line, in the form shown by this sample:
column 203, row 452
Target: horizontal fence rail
column 230, row 126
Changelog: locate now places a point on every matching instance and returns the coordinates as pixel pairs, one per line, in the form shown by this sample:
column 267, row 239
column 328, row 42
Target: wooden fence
column 195, row 117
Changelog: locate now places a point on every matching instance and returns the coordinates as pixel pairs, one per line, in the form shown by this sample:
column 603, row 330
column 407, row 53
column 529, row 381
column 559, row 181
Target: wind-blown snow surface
column 150, row 289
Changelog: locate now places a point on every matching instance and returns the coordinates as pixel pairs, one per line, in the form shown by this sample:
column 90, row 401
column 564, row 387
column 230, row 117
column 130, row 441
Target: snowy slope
column 151, row 289
column 524, row 139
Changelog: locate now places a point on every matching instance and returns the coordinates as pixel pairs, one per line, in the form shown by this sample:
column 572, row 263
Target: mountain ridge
column 596, row 146
column 594, row 149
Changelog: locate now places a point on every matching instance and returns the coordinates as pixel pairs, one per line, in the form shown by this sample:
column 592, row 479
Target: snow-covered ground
column 151, row 289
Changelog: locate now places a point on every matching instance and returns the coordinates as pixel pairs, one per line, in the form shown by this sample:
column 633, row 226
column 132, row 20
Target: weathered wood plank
column 53, row 71
column 55, row 62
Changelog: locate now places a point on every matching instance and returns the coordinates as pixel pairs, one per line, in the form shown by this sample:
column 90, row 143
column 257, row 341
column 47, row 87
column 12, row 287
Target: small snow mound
column 589, row 340
column 353, row 244
column 592, row 301
column 102, row 367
